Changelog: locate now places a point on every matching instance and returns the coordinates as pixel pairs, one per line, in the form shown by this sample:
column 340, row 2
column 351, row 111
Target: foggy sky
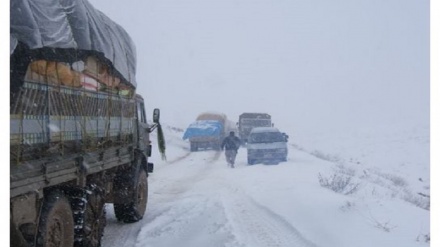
column 310, row 64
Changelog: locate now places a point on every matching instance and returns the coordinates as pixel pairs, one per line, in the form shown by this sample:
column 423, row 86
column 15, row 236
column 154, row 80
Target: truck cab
column 247, row 121
column 266, row 145
column 143, row 138
column 144, row 129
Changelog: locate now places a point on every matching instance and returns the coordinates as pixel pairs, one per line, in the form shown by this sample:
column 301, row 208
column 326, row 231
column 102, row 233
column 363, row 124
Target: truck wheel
column 90, row 220
column 56, row 226
column 251, row 161
column 134, row 211
column 193, row 147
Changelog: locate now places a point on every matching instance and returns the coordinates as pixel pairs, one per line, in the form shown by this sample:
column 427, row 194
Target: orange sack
column 56, row 73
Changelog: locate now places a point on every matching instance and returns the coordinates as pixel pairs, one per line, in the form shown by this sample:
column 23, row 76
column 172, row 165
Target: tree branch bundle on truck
column 79, row 136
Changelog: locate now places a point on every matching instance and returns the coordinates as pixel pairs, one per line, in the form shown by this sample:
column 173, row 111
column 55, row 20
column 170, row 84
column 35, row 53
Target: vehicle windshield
column 266, row 137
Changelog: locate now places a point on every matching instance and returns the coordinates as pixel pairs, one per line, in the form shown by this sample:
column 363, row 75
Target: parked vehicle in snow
column 79, row 136
column 248, row 121
column 266, row 144
column 208, row 131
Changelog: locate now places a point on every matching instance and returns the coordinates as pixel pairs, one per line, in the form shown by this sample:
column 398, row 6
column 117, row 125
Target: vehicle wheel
column 193, row 147
column 90, row 220
column 56, row 228
column 134, row 211
column 251, row 161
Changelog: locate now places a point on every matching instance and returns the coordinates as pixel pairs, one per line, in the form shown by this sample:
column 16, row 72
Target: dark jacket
column 231, row 143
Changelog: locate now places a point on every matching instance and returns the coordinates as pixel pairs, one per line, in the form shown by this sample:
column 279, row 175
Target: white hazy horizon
column 311, row 65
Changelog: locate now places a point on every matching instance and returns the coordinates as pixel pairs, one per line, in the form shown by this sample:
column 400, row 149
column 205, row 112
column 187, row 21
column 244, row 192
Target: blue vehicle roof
column 203, row 128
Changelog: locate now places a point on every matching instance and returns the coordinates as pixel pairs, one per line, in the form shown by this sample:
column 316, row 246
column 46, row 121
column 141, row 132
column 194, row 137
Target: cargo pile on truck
column 247, row 121
column 79, row 136
column 90, row 74
column 208, row 131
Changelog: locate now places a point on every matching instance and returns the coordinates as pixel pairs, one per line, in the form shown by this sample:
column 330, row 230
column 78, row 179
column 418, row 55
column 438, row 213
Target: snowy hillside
column 336, row 189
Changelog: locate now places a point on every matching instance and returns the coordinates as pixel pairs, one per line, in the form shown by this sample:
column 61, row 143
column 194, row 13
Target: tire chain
column 79, row 202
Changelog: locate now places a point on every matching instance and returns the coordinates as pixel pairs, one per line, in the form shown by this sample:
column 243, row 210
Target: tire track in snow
column 185, row 181
column 255, row 225
column 220, row 215
column 179, row 158
column 216, row 156
column 195, row 221
column 200, row 207
column 118, row 234
column 213, row 159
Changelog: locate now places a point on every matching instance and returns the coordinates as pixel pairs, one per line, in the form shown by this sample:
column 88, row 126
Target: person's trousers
column 230, row 156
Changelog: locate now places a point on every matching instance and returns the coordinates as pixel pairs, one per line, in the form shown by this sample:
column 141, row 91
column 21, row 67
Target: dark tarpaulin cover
column 72, row 25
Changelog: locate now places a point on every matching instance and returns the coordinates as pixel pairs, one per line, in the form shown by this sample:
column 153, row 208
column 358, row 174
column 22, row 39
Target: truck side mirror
column 156, row 115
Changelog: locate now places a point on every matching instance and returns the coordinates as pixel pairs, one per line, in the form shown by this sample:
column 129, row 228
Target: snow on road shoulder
column 292, row 191
column 195, row 200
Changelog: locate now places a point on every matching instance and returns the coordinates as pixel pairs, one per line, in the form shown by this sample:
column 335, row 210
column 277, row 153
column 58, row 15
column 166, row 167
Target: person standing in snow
column 231, row 144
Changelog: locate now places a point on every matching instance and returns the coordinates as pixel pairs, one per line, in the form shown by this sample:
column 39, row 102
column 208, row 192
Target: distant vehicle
column 208, row 131
column 248, row 121
column 266, row 144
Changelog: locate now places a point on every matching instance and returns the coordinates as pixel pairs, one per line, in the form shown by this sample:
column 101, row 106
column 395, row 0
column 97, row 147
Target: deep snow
column 371, row 56
column 196, row 200
column 338, row 77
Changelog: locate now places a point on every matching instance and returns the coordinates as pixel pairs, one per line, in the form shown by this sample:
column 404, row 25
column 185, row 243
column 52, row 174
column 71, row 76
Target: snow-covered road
column 195, row 200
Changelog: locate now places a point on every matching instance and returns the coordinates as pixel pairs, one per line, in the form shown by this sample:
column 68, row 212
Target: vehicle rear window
column 265, row 137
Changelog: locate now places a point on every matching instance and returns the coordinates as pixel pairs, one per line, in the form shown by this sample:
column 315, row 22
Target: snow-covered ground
column 381, row 179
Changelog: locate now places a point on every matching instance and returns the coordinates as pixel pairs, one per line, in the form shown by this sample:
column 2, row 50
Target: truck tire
column 89, row 216
column 56, row 227
column 135, row 210
column 250, row 161
column 194, row 147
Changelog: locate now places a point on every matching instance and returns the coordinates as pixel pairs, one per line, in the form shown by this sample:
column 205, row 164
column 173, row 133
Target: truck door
column 143, row 137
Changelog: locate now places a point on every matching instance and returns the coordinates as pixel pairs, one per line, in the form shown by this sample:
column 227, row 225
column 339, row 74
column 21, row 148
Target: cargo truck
column 247, row 121
column 208, row 131
column 79, row 135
